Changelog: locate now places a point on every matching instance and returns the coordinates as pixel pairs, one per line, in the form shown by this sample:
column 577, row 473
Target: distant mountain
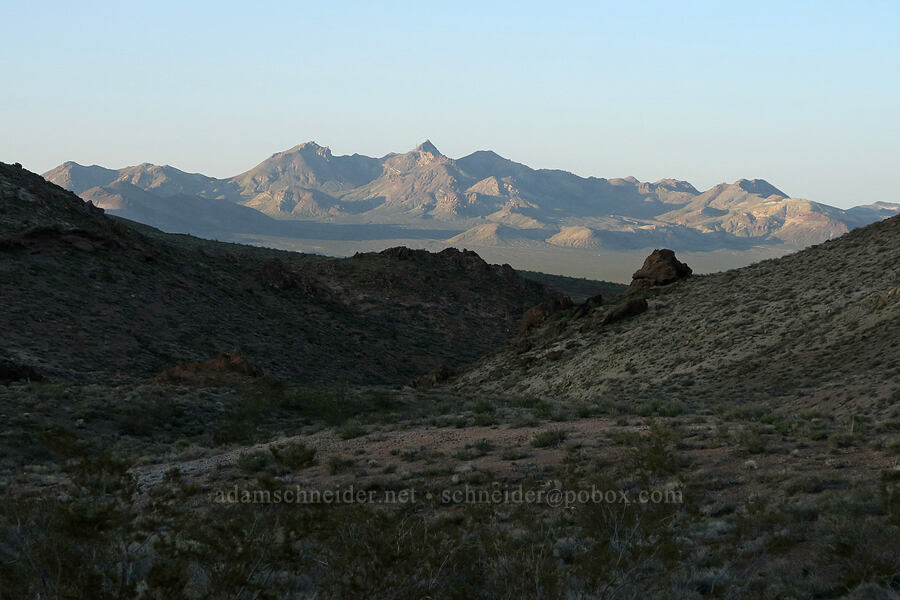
column 575, row 236
column 180, row 213
column 159, row 180
column 495, row 234
column 304, row 181
column 757, row 209
column 426, row 189
column 77, row 178
column 869, row 213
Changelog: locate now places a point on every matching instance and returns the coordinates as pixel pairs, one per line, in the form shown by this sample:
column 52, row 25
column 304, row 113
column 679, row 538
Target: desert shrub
column 584, row 411
column 340, row 464
column 842, row 439
column 550, row 437
column 64, row 443
column 463, row 454
column 513, row 453
column 815, row 429
column 806, row 484
column 267, row 403
column 484, row 419
column 352, row 430
column 859, row 551
column 628, row 547
column 142, row 414
column 661, row 408
column 256, row 461
column 560, row 415
column 483, row 446
column 654, row 453
column 524, row 420
column 481, row 406
column 858, row 424
column 751, row 440
column 79, row 543
column 625, row 438
column 541, row 409
column 293, row 455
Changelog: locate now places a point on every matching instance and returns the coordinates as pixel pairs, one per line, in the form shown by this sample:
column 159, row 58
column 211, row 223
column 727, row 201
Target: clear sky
column 803, row 94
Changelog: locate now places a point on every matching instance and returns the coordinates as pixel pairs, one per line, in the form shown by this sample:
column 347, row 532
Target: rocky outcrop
column 403, row 253
column 224, row 369
column 588, row 306
column 630, row 308
column 465, row 260
column 439, row 375
column 280, row 276
column 538, row 314
column 11, row 371
column 660, row 268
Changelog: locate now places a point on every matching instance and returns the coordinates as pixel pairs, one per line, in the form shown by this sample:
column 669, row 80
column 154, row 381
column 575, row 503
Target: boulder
column 10, row 371
column 660, row 268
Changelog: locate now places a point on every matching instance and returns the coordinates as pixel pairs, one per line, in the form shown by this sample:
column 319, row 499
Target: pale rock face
column 575, row 236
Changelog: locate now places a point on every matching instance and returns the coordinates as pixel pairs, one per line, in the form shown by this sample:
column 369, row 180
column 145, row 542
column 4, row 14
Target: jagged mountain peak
column 760, row 187
column 676, row 185
column 428, row 147
column 306, row 149
column 485, row 163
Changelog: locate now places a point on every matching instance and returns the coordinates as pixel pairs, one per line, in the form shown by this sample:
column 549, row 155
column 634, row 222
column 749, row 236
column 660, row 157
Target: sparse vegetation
column 293, row 455
column 340, row 464
column 550, row 437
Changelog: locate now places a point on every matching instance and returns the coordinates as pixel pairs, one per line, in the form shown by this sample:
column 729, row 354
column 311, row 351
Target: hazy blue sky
column 804, row 94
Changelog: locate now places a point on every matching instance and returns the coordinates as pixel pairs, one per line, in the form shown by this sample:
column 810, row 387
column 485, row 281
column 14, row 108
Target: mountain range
column 483, row 200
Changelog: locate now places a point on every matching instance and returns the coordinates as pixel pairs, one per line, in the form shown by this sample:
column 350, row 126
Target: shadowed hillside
column 86, row 295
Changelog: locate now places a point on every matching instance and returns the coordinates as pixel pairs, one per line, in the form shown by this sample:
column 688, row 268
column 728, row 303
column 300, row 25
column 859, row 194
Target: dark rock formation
column 660, row 268
column 539, row 313
column 10, row 371
column 629, row 308
column 403, row 253
column 588, row 306
column 224, row 369
column 279, row 275
column 440, row 375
